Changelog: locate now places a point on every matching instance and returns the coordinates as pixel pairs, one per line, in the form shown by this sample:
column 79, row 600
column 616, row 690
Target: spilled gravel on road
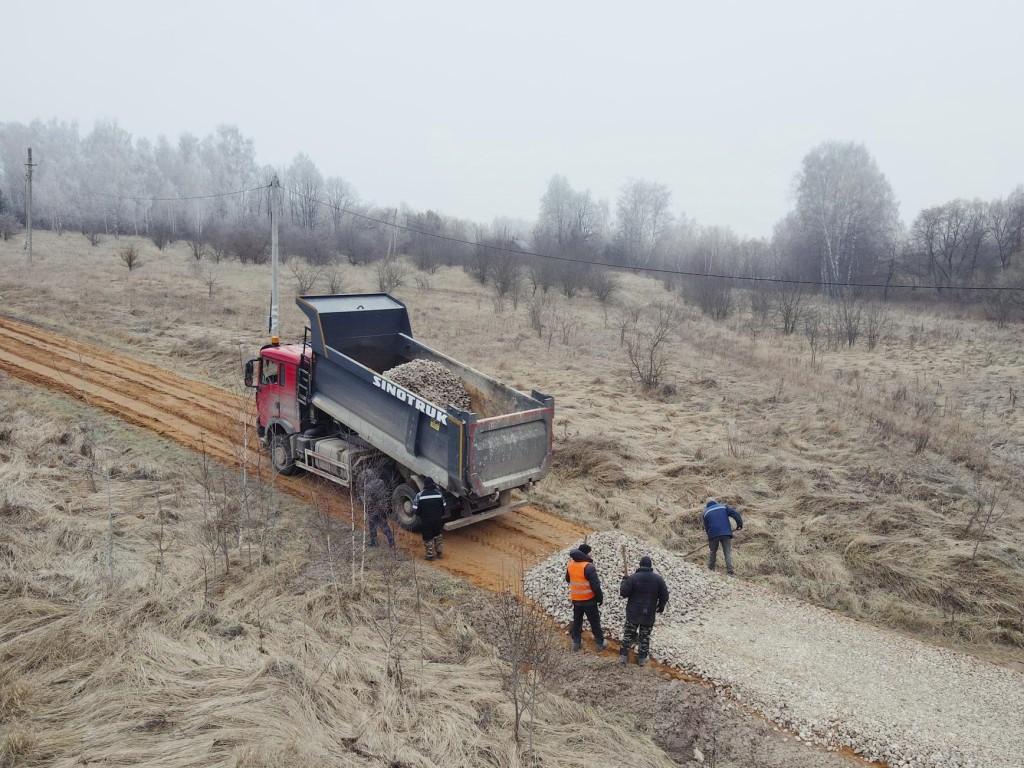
column 831, row 680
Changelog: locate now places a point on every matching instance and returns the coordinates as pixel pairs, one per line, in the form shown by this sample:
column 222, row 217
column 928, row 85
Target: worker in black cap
column 646, row 594
column 586, row 596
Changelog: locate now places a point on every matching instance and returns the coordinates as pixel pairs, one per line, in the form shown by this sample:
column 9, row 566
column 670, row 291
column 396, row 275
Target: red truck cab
column 274, row 374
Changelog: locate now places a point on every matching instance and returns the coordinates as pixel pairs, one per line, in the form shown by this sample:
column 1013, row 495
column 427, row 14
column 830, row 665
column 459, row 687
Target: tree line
column 844, row 232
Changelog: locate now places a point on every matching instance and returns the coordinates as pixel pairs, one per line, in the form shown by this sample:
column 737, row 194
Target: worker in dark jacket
column 376, row 505
column 586, row 596
column 719, row 531
column 646, row 594
column 429, row 504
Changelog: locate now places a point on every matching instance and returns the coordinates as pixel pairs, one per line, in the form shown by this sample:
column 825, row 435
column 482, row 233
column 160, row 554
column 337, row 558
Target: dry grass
column 858, row 474
column 276, row 660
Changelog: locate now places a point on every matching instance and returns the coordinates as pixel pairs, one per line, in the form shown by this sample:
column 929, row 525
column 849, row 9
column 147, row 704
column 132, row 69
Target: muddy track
column 207, row 418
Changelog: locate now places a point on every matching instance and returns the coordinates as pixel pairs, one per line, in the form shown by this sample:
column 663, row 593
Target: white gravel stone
column 833, row 681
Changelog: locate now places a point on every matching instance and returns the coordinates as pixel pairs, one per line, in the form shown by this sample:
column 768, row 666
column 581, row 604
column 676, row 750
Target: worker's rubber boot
column 623, row 657
column 429, row 547
column 439, row 546
column 602, row 644
column 577, row 643
column 641, row 660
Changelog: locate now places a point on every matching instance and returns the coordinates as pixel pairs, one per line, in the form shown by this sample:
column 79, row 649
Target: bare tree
column 846, row 210
column 529, row 652
column 208, row 273
column 946, row 243
column 643, row 220
column 1006, row 224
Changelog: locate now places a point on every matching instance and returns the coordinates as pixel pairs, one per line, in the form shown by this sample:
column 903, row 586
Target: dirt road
column 204, row 417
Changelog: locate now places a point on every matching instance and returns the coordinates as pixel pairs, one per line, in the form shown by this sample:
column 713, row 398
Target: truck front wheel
column 281, row 454
column 401, row 507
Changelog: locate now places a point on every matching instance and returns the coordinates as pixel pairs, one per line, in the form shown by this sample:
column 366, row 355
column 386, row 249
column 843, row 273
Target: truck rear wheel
column 401, row 507
column 281, row 454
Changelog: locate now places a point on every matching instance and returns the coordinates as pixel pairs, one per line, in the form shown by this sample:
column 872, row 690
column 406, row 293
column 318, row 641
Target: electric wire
column 88, row 191
column 652, row 270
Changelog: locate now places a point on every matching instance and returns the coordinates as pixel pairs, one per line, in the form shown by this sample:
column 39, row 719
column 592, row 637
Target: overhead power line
column 88, row 191
column 651, row 270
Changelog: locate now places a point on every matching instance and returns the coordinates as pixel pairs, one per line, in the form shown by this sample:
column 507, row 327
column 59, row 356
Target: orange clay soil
column 207, row 418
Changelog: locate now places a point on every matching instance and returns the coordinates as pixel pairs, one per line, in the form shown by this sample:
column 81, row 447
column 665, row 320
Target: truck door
column 275, row 398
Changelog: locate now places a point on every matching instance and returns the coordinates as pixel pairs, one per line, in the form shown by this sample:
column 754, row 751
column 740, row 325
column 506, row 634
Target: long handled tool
column 625, row 566
column 707, row 544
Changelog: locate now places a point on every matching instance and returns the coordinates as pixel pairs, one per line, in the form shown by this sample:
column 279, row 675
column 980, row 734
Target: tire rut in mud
column 209, row 419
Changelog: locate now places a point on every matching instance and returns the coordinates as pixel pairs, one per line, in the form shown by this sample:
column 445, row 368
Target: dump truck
column 325, row 406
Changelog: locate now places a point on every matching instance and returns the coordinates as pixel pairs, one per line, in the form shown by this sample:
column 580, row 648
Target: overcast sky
column 470, row 107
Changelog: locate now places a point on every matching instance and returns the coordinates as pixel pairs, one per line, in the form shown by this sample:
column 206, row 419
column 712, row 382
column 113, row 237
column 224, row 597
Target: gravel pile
column 830, row 680
column 431, row 381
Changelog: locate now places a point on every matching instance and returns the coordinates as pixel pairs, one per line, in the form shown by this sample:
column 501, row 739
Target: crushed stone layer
column 431, row 381
column 832, row 680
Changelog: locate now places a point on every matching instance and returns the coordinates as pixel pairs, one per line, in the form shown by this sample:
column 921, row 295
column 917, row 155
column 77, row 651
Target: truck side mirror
column 250, row 372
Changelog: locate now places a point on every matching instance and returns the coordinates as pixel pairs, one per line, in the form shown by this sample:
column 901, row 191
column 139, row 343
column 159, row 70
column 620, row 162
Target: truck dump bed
column 502, row 442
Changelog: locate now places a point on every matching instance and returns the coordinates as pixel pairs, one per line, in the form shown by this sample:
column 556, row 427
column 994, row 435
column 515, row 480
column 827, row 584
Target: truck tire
column 401, row 507
column 281, row 454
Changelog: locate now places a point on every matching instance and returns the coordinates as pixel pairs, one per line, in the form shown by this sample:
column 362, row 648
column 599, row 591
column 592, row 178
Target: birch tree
column 847, row 210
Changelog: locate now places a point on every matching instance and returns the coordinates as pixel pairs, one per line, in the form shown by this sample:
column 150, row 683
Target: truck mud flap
column 462, row 522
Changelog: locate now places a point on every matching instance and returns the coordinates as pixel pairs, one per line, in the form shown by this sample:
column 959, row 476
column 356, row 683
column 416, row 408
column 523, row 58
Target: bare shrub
column 760, row 305
column 507, row 277
column 93, row 235
column 130, row 256
column 335, row 279
column 626, row 317
column 850, row 315
column 540, row 309
column 713, row 295
column 876, row 324
column 647, row 343
column 249, row 246
column 208, row 273
column 572, row 278
column 528, row 650
column 197, row 247
column 789, row 301
column 304, row 274
column 9, row 226
column 391, row 274
column 161, row 234
column 813, row 332
column 603, row 283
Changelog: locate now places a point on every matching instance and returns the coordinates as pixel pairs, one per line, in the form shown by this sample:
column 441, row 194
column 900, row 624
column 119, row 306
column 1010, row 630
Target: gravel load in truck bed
column 830, row 680
column 431, row 381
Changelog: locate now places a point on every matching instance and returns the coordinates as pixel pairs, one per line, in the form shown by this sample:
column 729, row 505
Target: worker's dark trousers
column 629, row 636
column 373, row 522
column 726, row 542
column 593, row 614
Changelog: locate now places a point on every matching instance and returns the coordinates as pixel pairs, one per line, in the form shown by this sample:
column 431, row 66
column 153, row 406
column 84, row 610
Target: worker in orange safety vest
column 586, row 596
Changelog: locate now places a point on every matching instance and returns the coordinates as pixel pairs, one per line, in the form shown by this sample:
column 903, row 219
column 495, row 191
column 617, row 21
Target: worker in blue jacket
column 719, row 531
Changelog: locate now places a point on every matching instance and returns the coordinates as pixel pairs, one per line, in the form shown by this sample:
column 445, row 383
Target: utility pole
column 275, row 185
column 29, row 165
